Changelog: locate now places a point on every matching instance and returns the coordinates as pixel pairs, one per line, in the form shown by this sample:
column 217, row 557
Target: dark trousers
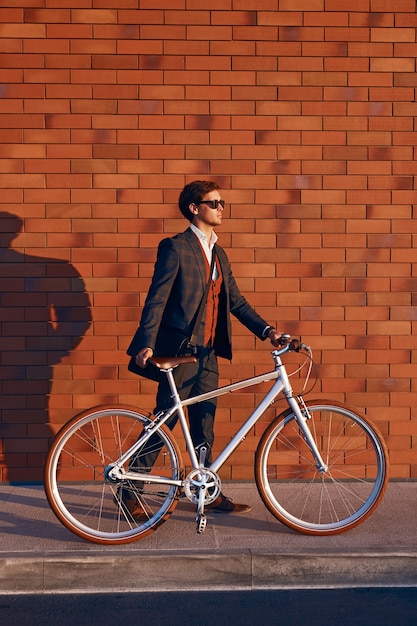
column 192, row 380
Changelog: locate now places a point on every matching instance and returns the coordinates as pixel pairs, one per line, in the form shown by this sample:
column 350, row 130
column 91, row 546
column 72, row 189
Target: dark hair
column 193, row 194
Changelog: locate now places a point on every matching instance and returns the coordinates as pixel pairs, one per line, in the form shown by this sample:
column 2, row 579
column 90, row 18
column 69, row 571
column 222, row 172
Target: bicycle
column 321, row 467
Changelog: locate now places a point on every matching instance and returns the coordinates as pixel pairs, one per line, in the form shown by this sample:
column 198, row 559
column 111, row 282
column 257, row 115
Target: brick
column 299, row 93
column 404, row 49
column 401, row 65
column 326, row 109
column 385, row 5
column 325, row 49
column 346, row 123
column 325, row 78
column 324, row 196
column 24, row 31
column 392, row 328
column 390, row 123
column 393, row 34
column 349, row 153
column 261, row 63
column 323, row 138
column 360, row 79
column 346, row 93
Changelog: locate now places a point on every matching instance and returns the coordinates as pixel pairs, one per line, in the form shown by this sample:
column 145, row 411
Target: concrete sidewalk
column 38, row 555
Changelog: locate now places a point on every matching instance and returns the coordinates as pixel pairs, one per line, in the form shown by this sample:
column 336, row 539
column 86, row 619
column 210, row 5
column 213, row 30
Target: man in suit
column 181, row 272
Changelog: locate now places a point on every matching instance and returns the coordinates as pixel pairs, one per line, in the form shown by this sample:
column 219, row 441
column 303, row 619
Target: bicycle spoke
column 322, row 502
column 90, row 505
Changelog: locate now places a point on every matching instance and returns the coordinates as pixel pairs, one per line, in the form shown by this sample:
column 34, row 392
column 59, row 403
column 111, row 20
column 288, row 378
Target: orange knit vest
column 212, row 308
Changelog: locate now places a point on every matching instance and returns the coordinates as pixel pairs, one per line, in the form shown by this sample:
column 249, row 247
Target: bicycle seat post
column 171, row 381
column 202, row 455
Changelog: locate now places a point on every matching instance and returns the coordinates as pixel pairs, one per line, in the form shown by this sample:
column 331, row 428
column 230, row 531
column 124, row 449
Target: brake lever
column 296, row 345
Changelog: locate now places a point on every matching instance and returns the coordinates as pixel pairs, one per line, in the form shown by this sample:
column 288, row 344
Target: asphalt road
column 324, row 607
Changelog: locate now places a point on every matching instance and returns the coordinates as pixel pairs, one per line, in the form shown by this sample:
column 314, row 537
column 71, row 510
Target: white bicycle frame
column 117, row 472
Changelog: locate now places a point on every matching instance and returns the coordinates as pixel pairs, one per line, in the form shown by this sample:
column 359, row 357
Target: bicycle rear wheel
column 75, row 483
column 303, row 498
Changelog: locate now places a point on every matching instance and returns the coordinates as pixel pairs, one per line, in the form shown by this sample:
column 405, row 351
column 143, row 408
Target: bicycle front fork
column 302, row 416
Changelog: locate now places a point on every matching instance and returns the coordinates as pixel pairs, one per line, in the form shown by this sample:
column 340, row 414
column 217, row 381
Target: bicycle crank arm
column 201, row 519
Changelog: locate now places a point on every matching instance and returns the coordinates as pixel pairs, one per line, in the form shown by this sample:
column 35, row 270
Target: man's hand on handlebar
column 277, row 339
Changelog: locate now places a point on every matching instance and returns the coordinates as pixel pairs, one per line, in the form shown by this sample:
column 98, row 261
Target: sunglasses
column 213, row 204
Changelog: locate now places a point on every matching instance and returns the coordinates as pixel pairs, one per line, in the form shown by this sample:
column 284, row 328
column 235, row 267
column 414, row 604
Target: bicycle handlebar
column 292, row 345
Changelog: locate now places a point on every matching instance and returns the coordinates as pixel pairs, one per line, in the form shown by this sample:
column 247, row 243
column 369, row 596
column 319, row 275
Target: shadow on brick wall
column 44, row 314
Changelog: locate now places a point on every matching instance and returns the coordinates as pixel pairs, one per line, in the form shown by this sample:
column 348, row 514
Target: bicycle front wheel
column 86, row 502
column 311, row 501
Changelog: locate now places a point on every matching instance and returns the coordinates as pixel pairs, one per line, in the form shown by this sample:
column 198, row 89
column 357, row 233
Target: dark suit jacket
column 175, row 294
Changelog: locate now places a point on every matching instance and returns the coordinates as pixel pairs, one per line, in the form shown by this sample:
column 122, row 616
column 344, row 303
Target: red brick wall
column 303, row 110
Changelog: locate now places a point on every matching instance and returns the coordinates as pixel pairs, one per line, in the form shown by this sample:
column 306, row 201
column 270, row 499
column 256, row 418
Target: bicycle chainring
column 202, row 478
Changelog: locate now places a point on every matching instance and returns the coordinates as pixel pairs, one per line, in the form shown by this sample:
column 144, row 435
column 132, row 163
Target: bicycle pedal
column 201, row 523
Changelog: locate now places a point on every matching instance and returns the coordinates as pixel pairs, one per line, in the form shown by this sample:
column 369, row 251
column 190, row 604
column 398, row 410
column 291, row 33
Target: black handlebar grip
column 295, row 345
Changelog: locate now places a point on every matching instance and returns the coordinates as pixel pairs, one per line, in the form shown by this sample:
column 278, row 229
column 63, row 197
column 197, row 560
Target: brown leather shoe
column 225, row 505
column 130, row 506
